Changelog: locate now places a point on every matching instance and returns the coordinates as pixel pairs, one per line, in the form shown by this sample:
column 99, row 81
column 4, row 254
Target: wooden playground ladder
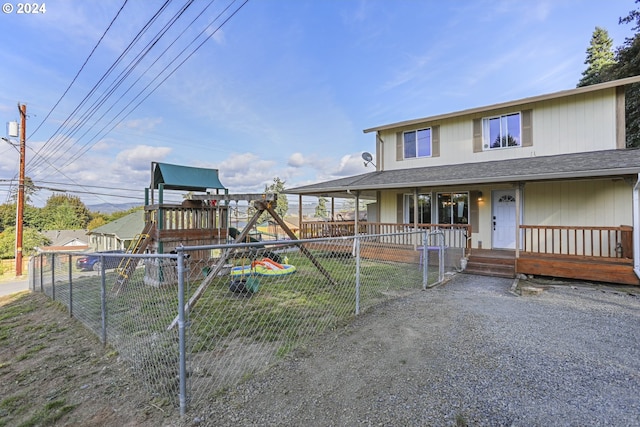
column 128, row 264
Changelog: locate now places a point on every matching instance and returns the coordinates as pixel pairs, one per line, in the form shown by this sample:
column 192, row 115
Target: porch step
column 492, row 263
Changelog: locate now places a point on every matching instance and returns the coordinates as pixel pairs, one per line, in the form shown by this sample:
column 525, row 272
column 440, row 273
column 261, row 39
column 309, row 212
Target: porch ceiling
column 594, row 164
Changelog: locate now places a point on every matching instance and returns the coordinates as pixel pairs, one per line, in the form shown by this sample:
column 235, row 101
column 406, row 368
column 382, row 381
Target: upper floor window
column 417, row 143
column 502, row 131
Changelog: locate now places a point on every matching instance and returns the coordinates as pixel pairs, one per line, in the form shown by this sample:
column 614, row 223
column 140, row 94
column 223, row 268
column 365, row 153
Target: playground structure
column 200, row 220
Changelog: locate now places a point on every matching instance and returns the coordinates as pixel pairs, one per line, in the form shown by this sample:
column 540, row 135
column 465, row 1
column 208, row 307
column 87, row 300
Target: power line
column 56, row 143
column 118, row 119
column 68, row 120
column 80, row 70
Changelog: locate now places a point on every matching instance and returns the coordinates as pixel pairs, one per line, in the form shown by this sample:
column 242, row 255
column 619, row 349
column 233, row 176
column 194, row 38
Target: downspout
column 636, row 227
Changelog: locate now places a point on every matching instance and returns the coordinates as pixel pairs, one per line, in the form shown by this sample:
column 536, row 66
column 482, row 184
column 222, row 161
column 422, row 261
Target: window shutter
column 527, row 128
column 474, row 211
column 435, row 141
column 477, row 135
column 400, row 208
column 399, row 147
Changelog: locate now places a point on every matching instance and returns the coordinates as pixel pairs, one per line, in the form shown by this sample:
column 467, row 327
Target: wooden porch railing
column 602, row 242
column 456, row 235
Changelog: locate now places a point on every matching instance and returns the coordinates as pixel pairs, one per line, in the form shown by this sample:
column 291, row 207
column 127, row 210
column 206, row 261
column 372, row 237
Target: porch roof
column 595, row 164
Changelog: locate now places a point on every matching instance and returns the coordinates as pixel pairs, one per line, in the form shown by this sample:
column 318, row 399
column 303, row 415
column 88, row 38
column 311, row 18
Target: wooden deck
column 503, row 263
column 598, row 269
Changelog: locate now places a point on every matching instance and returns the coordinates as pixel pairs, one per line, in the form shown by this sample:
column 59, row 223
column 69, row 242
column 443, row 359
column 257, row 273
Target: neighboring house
column 65, row 240
column 547, row 180
column 118, row 234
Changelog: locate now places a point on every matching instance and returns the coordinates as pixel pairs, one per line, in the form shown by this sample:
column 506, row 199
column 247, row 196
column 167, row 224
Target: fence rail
column 603, row 242
column 193, row 326
column 455, row 235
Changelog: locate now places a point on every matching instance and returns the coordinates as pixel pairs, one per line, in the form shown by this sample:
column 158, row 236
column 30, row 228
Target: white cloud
column 141, row 156
column 140, row 125
column 296, row 160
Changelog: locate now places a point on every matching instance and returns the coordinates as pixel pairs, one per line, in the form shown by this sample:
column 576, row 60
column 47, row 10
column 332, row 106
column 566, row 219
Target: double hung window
column 417, row 143
column 502, row 131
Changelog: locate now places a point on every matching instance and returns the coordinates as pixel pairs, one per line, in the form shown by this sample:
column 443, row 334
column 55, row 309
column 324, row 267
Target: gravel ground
column 467, row 353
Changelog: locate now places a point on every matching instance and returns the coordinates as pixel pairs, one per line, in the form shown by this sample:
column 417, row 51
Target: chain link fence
column 195, row 322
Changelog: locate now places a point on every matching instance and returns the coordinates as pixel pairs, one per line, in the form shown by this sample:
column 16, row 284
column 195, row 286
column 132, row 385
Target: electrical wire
column 55, row 146
column 79, row 71
column 70, row 118
column 104, row 131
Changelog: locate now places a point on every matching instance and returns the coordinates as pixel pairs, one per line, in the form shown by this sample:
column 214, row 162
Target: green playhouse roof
column 176, row 177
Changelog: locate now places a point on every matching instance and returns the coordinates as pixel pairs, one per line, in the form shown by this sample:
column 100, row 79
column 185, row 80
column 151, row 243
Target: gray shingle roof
column 124, row 228
column 564, row 166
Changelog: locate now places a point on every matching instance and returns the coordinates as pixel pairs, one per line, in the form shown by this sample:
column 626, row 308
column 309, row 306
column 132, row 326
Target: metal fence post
column 357, row 253
column 103, row 301
column 181, row 333
column 41, row 272
column 70, row 285
column 441, row 258
column 53, row 277
column 425, row 260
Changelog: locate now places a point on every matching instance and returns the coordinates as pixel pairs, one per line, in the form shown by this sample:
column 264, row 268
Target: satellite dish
column 367, row 157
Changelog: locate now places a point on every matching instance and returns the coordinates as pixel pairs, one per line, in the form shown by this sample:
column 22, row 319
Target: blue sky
column 283, row 89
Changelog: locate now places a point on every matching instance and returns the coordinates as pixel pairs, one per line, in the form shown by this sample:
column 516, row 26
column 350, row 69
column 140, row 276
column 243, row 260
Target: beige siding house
column 546, row 180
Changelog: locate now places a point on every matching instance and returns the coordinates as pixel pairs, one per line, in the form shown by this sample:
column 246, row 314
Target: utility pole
column 20, row 203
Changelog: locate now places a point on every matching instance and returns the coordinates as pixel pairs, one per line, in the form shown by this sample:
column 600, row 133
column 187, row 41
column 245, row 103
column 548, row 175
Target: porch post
column 636, row 227
column 355, row 232
column 333, row 211
column 300, row 214
column 519, row 188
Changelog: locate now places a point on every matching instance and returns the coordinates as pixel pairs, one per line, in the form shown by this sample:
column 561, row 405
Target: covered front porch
column 602, row 254
column 574, row 216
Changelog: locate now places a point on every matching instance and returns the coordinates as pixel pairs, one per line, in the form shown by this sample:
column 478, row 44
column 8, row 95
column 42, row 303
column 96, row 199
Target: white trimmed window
column 502, row 131
column 417, row 143
column 453, row 208
column 424, row 208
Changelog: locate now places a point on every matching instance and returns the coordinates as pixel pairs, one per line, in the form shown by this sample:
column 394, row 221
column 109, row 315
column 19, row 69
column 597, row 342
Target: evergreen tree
column 600, row 59
column 321, row 208
column 628, row 65
column 277, row 187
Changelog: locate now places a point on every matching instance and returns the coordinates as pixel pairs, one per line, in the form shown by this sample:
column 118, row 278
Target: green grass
column 19, row 405
column 48, row 414
column 282, row 316
column 290, row 309
column 30, row 352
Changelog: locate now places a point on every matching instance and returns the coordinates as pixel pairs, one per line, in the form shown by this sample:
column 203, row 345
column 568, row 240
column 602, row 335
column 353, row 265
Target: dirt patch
column 55, row 372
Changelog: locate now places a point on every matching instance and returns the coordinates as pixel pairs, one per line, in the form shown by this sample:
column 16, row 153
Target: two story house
column 545, row 181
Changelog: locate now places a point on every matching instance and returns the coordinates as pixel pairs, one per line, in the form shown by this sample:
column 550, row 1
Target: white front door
column 504, row 219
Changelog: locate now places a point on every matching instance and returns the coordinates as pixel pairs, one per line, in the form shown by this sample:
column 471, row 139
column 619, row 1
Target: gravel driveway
column 466, row 353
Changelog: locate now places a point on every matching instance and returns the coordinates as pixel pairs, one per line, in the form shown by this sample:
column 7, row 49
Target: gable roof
column 187, row 178
column 509, row 104
column 66, row 237
column 124, row 228
column 564, row 166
